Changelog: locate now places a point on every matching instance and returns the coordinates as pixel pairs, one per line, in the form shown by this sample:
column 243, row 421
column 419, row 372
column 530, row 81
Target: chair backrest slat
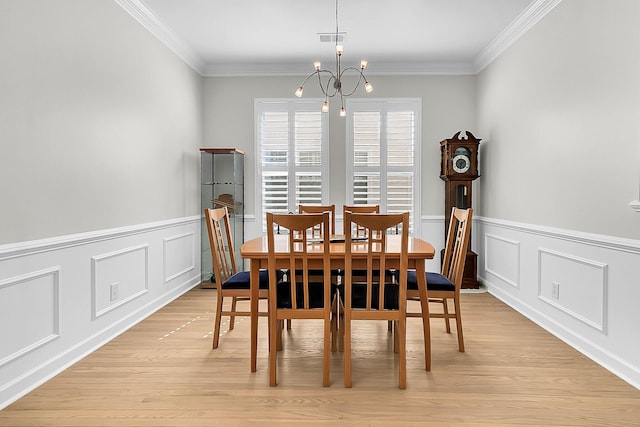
column 305, row 209
column 358, row 231
column 457, row 244
column 221, row 243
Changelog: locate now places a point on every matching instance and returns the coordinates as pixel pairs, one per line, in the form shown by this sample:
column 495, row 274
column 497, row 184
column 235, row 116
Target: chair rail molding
column 635, row 205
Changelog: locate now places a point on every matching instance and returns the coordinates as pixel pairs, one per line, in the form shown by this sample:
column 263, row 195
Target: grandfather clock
column 458, row 169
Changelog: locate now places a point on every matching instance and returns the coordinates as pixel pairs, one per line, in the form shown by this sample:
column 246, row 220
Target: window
column 293, row 155
column 383, row 151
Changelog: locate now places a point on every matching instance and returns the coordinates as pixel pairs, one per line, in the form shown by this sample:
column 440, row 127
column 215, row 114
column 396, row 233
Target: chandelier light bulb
column 343, row 112
column 317, row 65
column 299, row 92
column 368, row 87
column 363, row 64
column 325, row 107
column 339, row 49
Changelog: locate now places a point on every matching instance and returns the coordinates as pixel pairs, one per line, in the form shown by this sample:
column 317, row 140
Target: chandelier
column 330, row 82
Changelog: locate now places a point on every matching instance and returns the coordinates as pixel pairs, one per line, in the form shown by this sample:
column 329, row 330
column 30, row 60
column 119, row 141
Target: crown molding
column 527, row 19
column 304, row 69
column 158, row 28
column 523, row 23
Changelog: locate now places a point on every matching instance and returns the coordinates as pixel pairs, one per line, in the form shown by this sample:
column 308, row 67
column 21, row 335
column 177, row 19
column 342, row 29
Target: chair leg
column 273, row 346
column 396, row 338
column 341, row 324
column 327, row 353
column 445, row 310
column 232, row 319
column 401, row 332
column 288, row 324
column 279, row 328
column 426, row 328
column 347, row 351
column 335, row 313
column 341, row 333
column 456, row 302
column 218, row 319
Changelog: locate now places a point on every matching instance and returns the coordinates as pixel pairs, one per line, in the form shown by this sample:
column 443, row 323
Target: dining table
column 257, row 252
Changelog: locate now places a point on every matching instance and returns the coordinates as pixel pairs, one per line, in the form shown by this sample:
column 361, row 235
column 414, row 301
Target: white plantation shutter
column 292, row 140
column 383, row 151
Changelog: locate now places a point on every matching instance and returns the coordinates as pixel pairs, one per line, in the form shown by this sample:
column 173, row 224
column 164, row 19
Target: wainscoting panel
column 576, row 286
column 119, row 277
column 502, row 259
column 31, row 303
column 179, row 256
column 581, row 287
column 61, row 298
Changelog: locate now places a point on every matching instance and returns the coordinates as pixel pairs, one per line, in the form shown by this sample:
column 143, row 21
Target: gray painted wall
column 560, row 114
column 100, row 123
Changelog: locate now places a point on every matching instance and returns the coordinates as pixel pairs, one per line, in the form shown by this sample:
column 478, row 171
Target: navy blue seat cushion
column 319, row 272
column 435, row 282
column 242, row 279
column 316, row 295
column 359, row 296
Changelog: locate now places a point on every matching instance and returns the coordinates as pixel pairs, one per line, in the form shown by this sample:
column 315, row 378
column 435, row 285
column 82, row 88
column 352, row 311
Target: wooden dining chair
column 358, row 231
column 317, row 232
column 301, row 296
column 230, row 283
column 445, row 286
column 377, row 298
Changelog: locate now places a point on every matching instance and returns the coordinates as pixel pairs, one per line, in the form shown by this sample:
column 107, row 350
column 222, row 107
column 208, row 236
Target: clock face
column 461, row 160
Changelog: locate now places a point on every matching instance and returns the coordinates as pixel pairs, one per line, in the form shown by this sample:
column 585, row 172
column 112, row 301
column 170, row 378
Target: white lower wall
column 61, row 298
column 57, row 304
column 594, row 306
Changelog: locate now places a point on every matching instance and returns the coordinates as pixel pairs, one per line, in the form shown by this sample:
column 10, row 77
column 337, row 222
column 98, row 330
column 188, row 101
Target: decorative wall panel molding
column 502, row 259
column 574, row 285
column 119, row 277
column 179, row 255
column 30, row 307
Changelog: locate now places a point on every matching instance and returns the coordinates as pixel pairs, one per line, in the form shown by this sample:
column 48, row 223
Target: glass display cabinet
column 221, row 184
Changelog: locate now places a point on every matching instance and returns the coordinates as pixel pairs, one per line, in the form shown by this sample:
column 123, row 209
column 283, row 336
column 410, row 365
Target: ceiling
column 280, row 37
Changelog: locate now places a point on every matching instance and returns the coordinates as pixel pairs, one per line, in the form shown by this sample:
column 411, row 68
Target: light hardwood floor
column 163, row 372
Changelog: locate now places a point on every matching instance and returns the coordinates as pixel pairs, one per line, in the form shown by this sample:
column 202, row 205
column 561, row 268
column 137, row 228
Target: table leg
column 255, row 289
column 424, row 304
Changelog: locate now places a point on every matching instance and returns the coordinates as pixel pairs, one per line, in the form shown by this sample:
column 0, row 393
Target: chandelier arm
column 325, row 91
column 362, row 77
column 307, row 78
column 320, row 83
